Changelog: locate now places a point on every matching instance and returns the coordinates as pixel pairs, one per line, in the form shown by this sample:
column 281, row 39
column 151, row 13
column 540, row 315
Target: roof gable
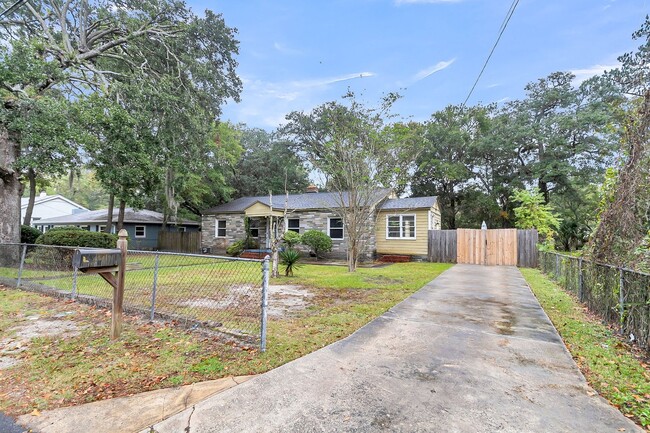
column 24, row 201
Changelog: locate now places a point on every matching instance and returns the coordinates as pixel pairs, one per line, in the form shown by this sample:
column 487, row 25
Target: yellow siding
column 260, row 209
column 417, row 246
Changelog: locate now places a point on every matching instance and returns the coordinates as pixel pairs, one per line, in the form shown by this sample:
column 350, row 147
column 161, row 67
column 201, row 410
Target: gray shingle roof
column 320, row 200
column 99, row 217
column 409, row 203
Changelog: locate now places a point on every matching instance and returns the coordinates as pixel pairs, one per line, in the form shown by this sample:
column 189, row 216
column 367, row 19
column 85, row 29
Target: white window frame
column 181, row 229
column 216, row 228
column 293, row 229
column 401, row 227
column 144, row 232
column 329, row 227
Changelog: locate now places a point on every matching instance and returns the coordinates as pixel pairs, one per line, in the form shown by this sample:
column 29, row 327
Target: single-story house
column 49, row 206
column 142, row 226
column 400, row 224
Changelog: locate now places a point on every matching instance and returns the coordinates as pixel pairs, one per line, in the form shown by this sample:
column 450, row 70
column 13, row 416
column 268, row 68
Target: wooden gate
column 487, row 247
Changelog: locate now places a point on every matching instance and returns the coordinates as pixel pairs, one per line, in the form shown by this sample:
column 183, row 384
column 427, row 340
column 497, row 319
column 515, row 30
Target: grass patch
column 67, row 369
column 610, row 365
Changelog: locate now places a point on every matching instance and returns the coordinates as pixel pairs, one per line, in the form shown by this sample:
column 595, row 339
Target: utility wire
column 12, row 8
column 506, row 20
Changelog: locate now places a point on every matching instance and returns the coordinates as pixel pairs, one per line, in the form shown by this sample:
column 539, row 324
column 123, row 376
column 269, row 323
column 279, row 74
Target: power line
column 12, row 8
column 504, row 24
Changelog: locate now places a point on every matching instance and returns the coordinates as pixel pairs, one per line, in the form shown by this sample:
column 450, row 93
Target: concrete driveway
column 471, row 351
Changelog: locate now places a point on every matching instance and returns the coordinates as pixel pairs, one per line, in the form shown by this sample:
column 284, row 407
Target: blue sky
column 297, row 54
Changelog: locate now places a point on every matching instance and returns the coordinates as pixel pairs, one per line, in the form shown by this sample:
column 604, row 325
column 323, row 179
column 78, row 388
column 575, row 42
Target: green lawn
column 65, row 370
column 610, row 365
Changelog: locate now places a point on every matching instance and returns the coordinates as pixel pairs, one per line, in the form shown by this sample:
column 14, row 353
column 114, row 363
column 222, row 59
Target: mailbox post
column 105, row 262
column 118, row 290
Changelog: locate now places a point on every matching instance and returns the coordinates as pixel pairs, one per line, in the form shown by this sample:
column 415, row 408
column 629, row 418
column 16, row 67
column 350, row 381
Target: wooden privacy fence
column 505, row 247
column 180, row 242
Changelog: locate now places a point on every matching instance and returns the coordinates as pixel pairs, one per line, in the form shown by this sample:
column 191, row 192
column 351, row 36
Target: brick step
column 394, row 258
column 252, row 255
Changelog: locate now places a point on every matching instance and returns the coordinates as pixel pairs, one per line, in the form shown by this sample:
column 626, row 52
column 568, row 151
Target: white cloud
column 320, row 82
column 410, row 2
column 585, row 74
column 432, row 70
column 266, row 103
column 285, row 50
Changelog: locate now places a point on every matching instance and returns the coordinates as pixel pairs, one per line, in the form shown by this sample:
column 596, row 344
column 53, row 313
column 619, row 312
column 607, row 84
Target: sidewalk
column 126, row 414
column 470, row 352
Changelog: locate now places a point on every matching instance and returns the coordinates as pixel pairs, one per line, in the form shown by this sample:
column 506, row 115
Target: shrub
column 238, row 247
column 75, row 237
column 291, row 239
column 289, row 258
column 28, row 234
column 319, row 242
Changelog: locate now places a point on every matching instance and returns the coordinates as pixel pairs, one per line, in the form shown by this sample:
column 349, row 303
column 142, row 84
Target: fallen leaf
column 35, row 412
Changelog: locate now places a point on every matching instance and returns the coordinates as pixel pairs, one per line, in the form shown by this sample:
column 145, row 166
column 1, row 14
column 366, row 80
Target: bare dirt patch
column 286, row 300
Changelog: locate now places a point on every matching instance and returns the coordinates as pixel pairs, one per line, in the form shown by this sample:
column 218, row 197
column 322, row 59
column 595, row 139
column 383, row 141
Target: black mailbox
column 92, row 258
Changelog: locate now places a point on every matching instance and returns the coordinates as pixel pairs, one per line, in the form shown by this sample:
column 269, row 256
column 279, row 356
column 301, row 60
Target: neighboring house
column 49, row 206
column 402, row 224
column 142, row 226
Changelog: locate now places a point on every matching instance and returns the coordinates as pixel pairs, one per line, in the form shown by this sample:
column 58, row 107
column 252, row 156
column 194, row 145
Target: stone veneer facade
column 309, row 220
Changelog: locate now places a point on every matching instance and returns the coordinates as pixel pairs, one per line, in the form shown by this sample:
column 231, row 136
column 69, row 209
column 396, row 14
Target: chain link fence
column 619, row 296
column 221, row 294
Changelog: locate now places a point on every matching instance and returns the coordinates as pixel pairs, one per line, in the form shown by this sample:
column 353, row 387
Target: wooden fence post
column 118, row 292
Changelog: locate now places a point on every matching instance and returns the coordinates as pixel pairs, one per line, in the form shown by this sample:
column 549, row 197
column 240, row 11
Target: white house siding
column 53, row 208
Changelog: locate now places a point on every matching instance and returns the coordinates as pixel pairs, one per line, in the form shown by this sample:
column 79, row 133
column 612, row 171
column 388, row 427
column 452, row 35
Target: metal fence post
column 580, row 281
column 621, row 297
column 557, row 266
column 265, row 302
column 20, row 267
column 155, row 285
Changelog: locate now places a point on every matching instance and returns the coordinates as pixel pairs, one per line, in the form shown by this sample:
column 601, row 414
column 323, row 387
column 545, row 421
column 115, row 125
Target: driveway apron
column 472, row 351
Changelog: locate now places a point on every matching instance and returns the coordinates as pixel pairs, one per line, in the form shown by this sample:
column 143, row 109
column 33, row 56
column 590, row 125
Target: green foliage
column 454, row 143
column 77, row 238
column 238, row 247
column 642, row 254
column 533, row 213
column 289, row 258
column 29, row 234
column 267, row 164
column 291, row 238
column 208, row 366
column 318, row 241
column 84, row 189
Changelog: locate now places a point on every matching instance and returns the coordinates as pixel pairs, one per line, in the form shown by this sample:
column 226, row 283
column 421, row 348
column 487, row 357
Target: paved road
column 471, row 351
column 8, row 425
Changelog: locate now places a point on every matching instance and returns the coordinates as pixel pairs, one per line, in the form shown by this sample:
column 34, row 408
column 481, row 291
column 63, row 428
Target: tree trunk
column 543, row 188
column 32, row 197
column 109, row 215
column 120, row 217
column 10, row 189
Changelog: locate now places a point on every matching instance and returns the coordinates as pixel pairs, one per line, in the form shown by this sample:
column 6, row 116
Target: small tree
column 291, row 239
column 533, row 213
column 319, row 242
column 360, row 155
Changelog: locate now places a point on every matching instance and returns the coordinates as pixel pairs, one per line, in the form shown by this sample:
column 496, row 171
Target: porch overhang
column 258, row 209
